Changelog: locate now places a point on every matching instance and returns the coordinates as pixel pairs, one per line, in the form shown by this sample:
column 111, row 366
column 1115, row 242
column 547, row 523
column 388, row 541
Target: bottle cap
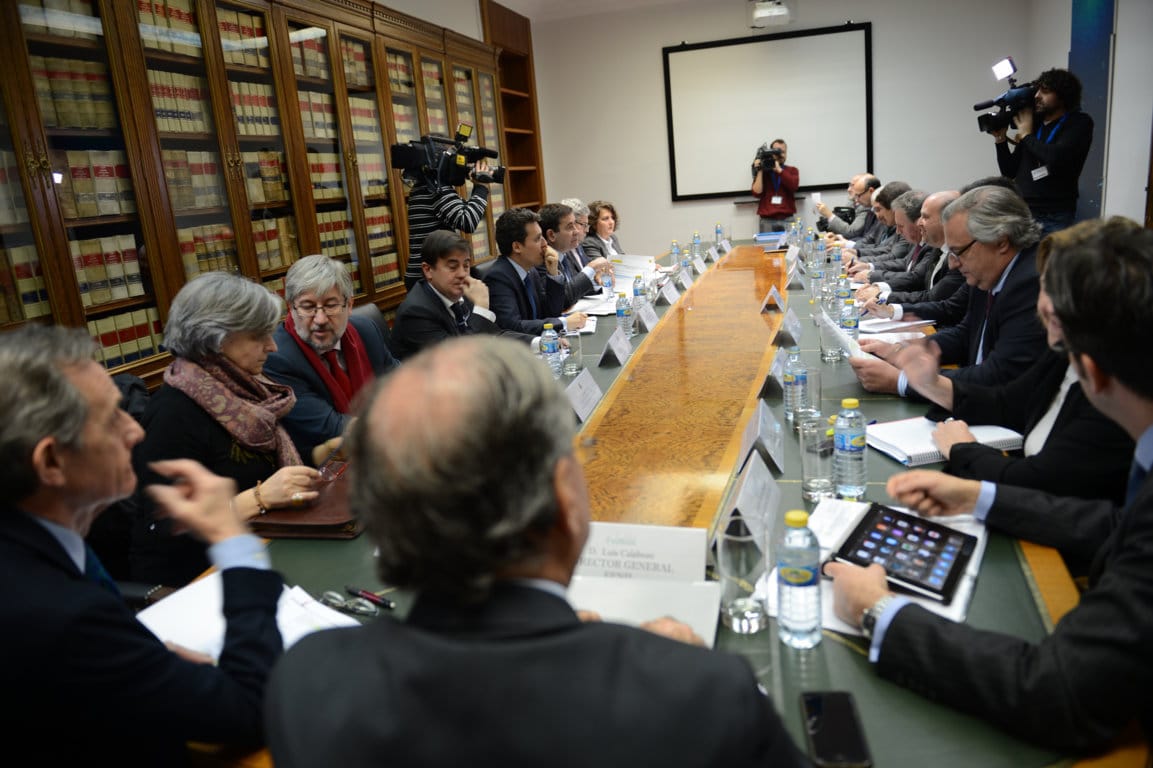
column 851, row 403
column 548, row 326
column 796, row 518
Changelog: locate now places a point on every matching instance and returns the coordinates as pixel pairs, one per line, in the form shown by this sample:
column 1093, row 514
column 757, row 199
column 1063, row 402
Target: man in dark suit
column 1087, row 680
column 558, row 223
column 522, row 299
column 447, row 302
column 478, row 504
column 991, row 233
column 581, row 217
column 324, row 353
column 86, row 683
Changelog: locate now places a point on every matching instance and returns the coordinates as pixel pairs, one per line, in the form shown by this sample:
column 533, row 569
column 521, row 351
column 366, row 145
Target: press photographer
column 1047, row 154
column 436, row 166
column 775, row 183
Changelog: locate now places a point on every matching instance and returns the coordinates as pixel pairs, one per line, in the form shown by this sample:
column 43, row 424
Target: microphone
column 985, row 105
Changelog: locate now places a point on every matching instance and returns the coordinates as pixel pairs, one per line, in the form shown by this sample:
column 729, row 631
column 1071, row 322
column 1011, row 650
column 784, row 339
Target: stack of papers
column 847, row 343
column 910, row 441
column 882, row 324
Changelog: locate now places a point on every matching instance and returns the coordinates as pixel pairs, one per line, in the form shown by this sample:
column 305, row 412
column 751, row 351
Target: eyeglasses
column 330, row 308
column 960, row 251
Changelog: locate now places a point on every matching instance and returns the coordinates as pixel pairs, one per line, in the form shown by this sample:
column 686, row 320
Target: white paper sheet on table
column 597, row 305
column 882, row 324
column 893, row 338
column 844, row 340
column 635, row 601
column 833, row 520
column 194, row 616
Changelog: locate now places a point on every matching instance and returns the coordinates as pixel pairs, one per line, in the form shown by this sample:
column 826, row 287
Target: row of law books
column 385, row 269
column 61, row 18
column 207, row 248
column 433, row 81
column 324, row 172
column 193, row 178
column 405, row 120
column 356, row 62
column 438, row 121
column 276, row 242
column 400, row 74
column 309, row 58
column 73, row 93
column 243, row 38
column 92, row 182
column 23, row 294
column 12, row 207
column 335, row 233
column 378, row 222
column 365, row 119
column 354, row 272
column 180, row 102
column 107, row 269
column 127, row 336
column 264, row 176
column 169, row 25
column 373, row 173
column 276, row 285
column 254, row 106
column 318, row 115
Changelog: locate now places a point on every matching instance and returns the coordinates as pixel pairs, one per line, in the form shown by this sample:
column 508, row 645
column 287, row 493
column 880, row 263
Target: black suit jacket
column 422, row 320
column 913, row 276
column 576, row 283
column 1085, row 455
column 87, row 684
column 517, row 680
column 1014, row 337
column 944, row 307
column 509, row 302
column 313, row 419
column 939, row 285
column 1080, row 685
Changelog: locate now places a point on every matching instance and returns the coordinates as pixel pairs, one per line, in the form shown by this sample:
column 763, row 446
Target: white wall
column 461, row 16
column 1131, row 112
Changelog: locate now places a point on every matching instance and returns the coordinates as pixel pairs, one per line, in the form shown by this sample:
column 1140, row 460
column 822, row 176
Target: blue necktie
column 1136, row 479
column 460, row 311
column 530, row 289
column 94, row 571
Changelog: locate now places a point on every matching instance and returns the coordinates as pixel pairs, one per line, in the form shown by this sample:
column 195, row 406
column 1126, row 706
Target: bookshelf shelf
column 82, row 133
column 175, row 61
column 272, row 140
column 110, row 307
column 257, row 74
column 515, row 94
column 166, row 136
column 191, row 213
column 44, row 43
column 99, row 221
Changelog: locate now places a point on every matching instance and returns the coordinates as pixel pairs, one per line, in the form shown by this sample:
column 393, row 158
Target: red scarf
column 355, row 358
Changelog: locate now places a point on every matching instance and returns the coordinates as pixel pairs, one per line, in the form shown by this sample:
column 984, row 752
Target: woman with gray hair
column 216, row 407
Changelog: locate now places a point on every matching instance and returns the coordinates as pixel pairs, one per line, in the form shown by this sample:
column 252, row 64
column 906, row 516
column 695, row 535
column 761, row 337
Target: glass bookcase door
column 435, row 102
column 402, row 93
column 371, row 167
column 489, row 136
column 261, row 161
column 464, row 98
column 89, row 169
column 328, row 175
column 23, row 293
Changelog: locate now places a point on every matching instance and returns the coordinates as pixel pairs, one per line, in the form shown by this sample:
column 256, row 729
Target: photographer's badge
column 1040, row 173
column 779, row 200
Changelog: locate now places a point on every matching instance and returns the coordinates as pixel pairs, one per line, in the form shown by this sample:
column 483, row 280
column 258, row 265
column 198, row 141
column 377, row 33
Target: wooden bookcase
column 142, row 143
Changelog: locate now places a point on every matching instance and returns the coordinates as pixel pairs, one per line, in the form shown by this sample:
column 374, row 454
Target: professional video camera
column 1009, row 103
column 769, row 155
column 441, row 161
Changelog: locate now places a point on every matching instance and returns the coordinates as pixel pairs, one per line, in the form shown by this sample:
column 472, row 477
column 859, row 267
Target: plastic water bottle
column 550, row 349
column 807, row 249
column 799, row 584
column 796, row 377
column 816, row 283
column 719, row 234
column 844, row 291
column 625, row 315
column 696, row 243
column 820, row 255
column 850, row 318
column 675, row 250
column 849, row 451
column 607, row 282
column 640, row 296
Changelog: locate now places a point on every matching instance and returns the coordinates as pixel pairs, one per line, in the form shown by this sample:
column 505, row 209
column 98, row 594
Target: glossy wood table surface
column 662, row 443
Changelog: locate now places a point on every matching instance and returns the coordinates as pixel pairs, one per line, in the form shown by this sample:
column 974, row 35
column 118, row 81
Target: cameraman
column 1052, row 142
column 433, row 206
column 775, row 183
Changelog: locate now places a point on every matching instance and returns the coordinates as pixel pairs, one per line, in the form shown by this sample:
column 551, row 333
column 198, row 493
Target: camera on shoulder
column 441, row 161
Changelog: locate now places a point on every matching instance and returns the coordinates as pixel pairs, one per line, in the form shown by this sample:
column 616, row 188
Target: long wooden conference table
column 662, row 447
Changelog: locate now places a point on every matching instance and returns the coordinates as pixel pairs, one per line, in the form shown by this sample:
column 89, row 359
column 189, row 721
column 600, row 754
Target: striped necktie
column 461, row 313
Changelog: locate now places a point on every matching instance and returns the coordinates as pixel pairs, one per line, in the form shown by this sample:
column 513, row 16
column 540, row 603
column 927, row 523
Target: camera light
column 1004, row 68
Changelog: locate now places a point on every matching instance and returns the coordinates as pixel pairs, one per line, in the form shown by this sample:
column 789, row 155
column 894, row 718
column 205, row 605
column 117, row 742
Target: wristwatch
column 870, row 615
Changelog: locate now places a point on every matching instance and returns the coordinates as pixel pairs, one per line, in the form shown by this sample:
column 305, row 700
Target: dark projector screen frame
column 723, row 99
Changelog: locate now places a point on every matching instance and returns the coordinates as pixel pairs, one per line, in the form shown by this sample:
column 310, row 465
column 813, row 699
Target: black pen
column 371, row 597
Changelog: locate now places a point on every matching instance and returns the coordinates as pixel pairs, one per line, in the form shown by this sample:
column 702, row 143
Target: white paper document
column 910, row 441
column 597, row 305
column 847, row 343
column 882, row 324
column 696, row 603
column 832, row 522
column 194, row 616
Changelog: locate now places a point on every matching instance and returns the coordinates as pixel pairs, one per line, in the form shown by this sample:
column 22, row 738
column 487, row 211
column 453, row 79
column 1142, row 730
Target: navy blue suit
column 510, row 303
column 313, row 420
column 422, row 320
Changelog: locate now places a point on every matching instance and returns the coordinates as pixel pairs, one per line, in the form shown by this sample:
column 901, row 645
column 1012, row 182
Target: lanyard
column 1053, row 132
column 776, row 177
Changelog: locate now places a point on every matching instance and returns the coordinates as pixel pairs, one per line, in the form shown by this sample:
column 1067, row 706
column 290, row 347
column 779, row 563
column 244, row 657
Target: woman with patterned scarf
column 217, row 407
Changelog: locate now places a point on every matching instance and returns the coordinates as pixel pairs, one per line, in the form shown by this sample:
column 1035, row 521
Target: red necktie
column 338, row 373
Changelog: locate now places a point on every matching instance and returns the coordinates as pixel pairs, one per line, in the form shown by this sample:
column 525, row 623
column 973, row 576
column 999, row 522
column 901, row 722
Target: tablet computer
column 920, row 556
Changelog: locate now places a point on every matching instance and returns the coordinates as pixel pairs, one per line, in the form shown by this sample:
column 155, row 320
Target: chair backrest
column 372, row 312
column 480, row 270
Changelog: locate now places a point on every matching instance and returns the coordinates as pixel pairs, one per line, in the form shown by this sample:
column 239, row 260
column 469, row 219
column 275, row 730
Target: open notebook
column 910, row 441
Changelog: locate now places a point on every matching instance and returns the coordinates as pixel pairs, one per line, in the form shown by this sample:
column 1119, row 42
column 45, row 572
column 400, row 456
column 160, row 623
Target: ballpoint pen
column 371, row 597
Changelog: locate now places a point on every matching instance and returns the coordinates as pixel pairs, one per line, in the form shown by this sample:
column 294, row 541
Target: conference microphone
column 985, row 105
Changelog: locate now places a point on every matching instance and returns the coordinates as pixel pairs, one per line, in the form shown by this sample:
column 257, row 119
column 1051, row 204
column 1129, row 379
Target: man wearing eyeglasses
column 861, row 191
column 324, row 353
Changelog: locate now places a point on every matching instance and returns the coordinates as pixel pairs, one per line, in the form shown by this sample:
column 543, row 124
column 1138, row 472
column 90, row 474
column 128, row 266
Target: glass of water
column 740, row 563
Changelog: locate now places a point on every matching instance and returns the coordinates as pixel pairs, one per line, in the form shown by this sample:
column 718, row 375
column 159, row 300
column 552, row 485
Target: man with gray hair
column 493, row 666
column 75, row 657
column 324, row 353
column 581, row 217
column 994, row 238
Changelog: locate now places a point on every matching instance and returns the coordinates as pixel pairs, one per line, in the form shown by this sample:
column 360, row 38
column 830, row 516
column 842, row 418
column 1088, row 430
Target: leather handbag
column 328, row 517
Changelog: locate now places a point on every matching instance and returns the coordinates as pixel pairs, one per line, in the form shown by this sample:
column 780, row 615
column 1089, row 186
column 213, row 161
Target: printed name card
column 789, row 333
column 617, row 350
column 685, row 279
column 770, row 435
column 777, row 372
column 668, row 294
column 791, row 255
column 626, row 551
column 726, row 246
column 699, row 265
column 647, row 317
column 757, row 499
column 772, row 300
column 583, row 394
column 711, row 254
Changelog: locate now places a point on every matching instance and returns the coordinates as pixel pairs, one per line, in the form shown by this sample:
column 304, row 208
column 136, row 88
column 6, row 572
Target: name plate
column 626, row 551
column 617, row 350
column 699, row 265
column 726, row 246
column 647, row 317
column 756, row 498
column 770, row 435
column 583, row 394
column 791, row 255
column 711, row 254
column 685, row 279
column 668, row 294
column 772, row 300
column 790, row 331
column 777, row 372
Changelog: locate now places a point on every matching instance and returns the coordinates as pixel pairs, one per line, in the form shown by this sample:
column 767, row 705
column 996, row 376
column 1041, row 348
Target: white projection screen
column 724, row 99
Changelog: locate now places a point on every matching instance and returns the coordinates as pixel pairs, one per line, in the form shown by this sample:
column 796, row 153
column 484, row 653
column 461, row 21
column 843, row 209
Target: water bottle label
column 848, row 323
column 789, row 379
column 797, row 577
column 620, row 311
column 851, row 443
column 550, row 347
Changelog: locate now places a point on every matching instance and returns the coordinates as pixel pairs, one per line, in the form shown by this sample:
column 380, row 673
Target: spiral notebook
column 910, row 441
